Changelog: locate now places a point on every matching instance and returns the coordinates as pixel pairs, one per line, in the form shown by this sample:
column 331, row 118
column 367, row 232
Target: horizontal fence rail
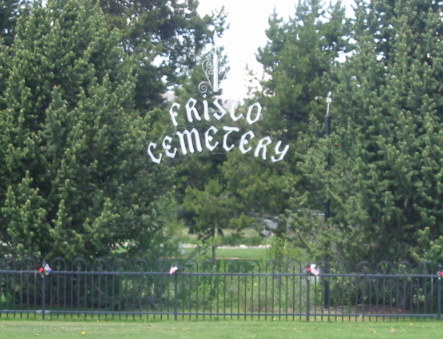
column 218, row 289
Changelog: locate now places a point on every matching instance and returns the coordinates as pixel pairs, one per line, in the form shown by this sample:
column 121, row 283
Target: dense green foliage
column 10, row 10
column 394, row 164
column 385, row 180
column 164, row 38
column 75, row 180
column 299, row 58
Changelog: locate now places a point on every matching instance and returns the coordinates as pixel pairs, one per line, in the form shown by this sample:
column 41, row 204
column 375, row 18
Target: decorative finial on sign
column 328, row 102
column 210, row 65
column 215, row 63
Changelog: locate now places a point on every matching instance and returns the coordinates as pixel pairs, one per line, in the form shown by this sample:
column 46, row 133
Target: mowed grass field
column 235, row 253
column 218, row 329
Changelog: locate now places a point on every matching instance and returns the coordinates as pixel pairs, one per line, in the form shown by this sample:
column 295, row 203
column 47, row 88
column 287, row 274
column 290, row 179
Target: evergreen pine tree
column 75, row 179
column 164, row 37
column 298, row 59
column 9, row 12
column 385, row 180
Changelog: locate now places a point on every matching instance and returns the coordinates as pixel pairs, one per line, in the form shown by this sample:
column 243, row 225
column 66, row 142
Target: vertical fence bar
column 286, row 295
column 35, row 292
column 246, row 295
column 182, row 287
column 425, row 295
column 238, row 297
column 266, row 297
column 432, row 296
column 273, row 291
column 418, row 289
column 300, row 295
column 213, row 290
column 175, row 296
column 160, row 293
column 326, row 287
column 217, row 295
column 259, row 293
column 252, row 297
column 230, row 299
column 308, row 299
column 439, row 298
column 280, row 281
column 85, row 292
column 28, row 295
column 293, row 293
column 411, row 295
column 21, row 291
column 92, row 292
column 204, row 280
column 190, row 277
column 43, row 298
column 224, row 292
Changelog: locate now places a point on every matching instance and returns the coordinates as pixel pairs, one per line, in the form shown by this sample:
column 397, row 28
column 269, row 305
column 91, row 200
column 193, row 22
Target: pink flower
column 313, row 269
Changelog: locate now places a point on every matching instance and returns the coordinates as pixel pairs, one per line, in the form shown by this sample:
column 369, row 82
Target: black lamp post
column 327, row 133
column 327, row 202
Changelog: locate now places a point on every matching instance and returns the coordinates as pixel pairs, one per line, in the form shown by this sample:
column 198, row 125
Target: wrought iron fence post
column 439, row 298
column 326, row 287
column 175, row 295
column 328, row 201
column 43, row 297
column 308, row 298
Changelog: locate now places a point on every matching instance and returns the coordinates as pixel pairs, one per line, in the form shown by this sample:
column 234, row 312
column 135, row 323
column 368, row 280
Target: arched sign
column 221, row 138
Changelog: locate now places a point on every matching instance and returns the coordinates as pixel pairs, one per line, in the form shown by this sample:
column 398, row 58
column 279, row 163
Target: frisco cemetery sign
column 221, row 138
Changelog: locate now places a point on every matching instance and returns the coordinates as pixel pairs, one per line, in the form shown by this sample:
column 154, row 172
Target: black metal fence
column 218, row 289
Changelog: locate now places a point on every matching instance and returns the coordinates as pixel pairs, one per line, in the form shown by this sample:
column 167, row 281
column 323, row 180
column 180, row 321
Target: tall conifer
column 385, row 180
column 74, row 176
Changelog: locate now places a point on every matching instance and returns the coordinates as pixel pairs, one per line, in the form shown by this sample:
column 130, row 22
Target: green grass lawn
column 234, row 253
column 241, row 253
column 218, row 329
